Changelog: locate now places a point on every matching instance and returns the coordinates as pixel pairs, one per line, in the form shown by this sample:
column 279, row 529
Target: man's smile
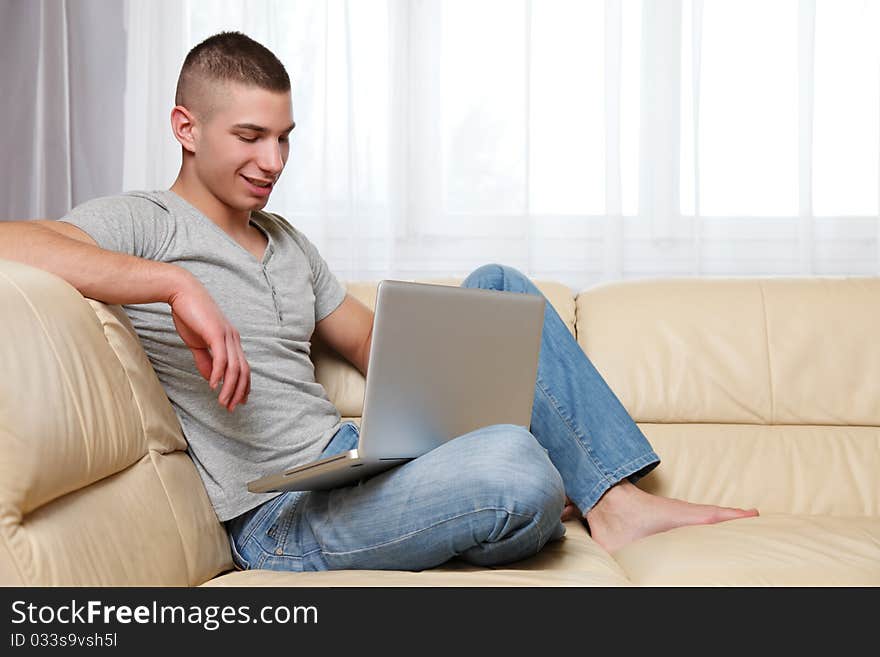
column 258, row 181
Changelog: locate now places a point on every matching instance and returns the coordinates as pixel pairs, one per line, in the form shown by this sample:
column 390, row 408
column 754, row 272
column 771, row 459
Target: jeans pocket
column 243, row 532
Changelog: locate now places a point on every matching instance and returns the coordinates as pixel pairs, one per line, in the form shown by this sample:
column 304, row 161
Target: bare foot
column 626, row 513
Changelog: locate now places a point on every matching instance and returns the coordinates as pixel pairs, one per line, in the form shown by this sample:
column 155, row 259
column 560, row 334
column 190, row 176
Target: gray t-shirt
column 274, row 305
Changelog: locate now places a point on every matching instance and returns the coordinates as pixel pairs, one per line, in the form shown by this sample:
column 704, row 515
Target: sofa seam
column 134, row 396
column 190, row 573
column 12, row 551
column 769, row 363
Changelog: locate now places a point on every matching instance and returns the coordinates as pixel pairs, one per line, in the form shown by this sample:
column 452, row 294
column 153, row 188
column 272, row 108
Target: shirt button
column 279, row 552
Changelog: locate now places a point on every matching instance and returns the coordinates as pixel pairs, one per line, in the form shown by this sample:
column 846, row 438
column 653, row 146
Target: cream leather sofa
column 755, row 392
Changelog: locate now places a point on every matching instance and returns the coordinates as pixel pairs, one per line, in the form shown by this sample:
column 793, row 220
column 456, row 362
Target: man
column 222, row 292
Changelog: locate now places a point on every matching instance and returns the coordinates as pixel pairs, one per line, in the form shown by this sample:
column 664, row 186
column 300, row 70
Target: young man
column 222, row 292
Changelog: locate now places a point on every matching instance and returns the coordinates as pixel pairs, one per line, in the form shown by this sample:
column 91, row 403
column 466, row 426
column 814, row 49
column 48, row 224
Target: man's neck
column 233, row 222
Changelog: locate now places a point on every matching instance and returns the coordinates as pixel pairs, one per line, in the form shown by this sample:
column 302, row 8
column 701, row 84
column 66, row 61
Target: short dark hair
column 230, row 57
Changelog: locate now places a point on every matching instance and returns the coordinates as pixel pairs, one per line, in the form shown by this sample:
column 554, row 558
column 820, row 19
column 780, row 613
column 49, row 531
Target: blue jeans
column 489, row 497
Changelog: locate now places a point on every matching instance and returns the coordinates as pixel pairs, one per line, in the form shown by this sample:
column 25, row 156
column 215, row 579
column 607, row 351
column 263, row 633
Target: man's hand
column 119, row 278
column 214, row 342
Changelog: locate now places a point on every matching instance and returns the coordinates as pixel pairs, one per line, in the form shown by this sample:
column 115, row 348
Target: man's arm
column 117, row 278
column 70, row 253
column 348, row 330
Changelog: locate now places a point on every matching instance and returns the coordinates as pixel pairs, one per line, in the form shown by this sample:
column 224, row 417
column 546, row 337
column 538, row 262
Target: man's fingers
column 203, row 361
column 244, row 376
column 230, row 378
column 218, row 351
column 247, row 393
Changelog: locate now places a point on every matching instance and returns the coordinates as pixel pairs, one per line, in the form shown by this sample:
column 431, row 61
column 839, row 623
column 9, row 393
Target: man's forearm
column 107, row 276
column 365, row 352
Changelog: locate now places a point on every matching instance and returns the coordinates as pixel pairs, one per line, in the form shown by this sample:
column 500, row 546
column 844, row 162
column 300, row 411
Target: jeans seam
column 640, row 462
column 482, row 279
column 504, row 282
column 284, row 529
column 578, row 437
column 424, row 529
column 540, row 537
column 237, row 556
column 600, row 487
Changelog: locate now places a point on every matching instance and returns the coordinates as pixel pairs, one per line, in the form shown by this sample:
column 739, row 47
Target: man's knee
column 496, row 277
column 520, row 496
column 513, row 470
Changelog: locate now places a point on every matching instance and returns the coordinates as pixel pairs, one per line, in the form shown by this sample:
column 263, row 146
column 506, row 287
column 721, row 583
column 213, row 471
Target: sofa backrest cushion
column 95, row 485
column 765, row 351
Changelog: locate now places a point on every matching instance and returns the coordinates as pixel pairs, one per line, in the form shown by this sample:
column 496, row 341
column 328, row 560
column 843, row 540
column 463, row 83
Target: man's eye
column 250, row 141
column 284, row 139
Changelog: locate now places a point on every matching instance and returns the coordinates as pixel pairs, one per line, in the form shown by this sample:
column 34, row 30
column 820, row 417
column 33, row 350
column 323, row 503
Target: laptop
column 444, row 361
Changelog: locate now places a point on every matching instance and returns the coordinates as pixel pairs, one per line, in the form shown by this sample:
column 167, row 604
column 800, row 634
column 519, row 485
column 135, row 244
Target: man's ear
column 183, row 126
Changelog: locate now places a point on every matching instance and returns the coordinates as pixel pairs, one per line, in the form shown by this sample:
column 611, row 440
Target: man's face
column 243, row 146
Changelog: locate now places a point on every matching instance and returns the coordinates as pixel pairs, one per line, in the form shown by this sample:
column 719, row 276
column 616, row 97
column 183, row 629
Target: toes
column 727, row 513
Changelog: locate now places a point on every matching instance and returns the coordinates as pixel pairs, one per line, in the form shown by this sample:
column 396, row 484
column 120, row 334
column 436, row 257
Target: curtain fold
column 157, row 42
column 37, row 102
column 659, row 185
column 696, row 31
column 806, row 54
column 61, row 105
column 613, row 223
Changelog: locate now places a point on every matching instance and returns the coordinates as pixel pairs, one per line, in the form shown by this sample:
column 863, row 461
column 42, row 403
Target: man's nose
column 270, row 158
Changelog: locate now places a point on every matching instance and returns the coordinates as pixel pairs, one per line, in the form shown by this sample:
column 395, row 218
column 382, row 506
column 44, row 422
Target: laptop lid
column 445, row 361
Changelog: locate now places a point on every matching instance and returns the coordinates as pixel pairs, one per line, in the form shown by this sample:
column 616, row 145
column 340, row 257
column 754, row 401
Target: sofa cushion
column 810, row 470
column 772, row 550
column 94, row 484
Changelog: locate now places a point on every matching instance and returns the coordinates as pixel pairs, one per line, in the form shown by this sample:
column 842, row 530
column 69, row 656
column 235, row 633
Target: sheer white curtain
column 780, row 117
column 157, row 40
column 578, row 140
